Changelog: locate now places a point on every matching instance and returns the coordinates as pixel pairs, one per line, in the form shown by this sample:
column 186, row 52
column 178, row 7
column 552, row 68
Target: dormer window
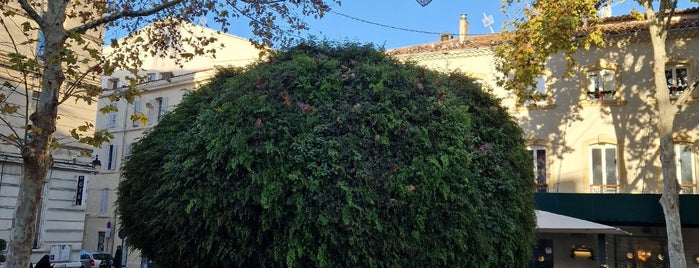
column 677, row 80
column 601, row 84
column 113, row 83
column 166, row 75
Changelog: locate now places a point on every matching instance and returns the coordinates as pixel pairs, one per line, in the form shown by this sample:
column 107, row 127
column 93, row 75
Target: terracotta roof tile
column 689, row 18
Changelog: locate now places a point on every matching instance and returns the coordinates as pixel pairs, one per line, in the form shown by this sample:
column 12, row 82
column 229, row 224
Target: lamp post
column 96, row 164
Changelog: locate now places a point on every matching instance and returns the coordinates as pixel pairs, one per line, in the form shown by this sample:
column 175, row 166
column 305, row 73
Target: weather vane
column 424, row 2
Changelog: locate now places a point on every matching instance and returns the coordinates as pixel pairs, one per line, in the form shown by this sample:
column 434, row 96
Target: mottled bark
column 666, row 118
column 36, row 154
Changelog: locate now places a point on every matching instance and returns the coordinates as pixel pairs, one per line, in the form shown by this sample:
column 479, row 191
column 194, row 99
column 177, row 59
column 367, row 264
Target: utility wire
column 388, row 26
column 383, row 25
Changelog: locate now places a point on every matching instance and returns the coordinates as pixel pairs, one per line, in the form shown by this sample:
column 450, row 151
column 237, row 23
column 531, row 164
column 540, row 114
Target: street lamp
column 96, row 164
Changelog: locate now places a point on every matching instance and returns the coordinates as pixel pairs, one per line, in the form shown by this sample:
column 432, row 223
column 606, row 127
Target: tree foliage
column 332, row 155
column 68, row 34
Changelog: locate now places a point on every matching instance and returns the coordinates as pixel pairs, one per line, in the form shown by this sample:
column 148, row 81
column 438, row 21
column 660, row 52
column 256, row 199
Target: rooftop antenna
column 202, row 21
column 488, row 22
column 606, row 10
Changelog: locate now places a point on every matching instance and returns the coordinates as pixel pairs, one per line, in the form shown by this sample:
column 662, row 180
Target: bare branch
column 72, row 88
column 124, row 14
column 33, row 14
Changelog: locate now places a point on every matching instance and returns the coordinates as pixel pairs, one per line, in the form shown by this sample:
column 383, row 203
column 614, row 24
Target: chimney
column 463, row 28
column 444, row 36
column 606, row 11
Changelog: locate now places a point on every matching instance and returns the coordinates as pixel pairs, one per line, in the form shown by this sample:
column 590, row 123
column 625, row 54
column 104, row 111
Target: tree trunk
column 666, row 118
column 36, row 154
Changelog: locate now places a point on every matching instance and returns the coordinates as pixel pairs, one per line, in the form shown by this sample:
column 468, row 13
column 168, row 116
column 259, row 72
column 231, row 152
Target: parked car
column 93, row 259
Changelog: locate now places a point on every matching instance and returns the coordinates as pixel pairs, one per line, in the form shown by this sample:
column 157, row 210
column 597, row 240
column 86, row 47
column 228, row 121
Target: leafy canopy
column 332, row 155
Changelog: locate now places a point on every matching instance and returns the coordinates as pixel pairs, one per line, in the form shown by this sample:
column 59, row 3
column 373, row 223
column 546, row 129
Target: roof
column 547, row 222
column 684, row 19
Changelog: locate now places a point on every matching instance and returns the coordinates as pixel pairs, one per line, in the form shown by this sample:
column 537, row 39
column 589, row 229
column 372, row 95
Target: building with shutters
column 592, row 139
column 166, row 83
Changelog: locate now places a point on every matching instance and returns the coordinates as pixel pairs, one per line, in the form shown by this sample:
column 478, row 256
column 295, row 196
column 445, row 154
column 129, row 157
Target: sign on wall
column 81, row 191
column 59, row 253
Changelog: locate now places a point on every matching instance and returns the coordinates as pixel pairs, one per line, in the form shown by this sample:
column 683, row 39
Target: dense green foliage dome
column 332, row 156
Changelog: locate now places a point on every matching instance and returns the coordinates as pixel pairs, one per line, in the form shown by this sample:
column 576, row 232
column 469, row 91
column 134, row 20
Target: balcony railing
column 604, row 188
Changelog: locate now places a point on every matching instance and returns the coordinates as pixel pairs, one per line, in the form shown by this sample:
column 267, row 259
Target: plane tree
column 563, row 27
column 68, row 62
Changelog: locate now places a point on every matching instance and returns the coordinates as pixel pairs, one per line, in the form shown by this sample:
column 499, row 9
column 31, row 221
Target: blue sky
column 377, row 21
column 439, row 16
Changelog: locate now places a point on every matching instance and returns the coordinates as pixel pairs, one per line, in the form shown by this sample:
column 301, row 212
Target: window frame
column 605, row 186
column 541, row 185
column 686, row 188
column 113, row 116
column 104, row 201
column 111, row 159
column 539, row 96
column 601, row 83
column 675, row 92
column 113, row 83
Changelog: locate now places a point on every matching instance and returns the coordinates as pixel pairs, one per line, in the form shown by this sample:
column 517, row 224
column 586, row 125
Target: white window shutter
column 591, row 77
column 151, row 113
column 137, row 105
column 165, row 108
column 541, row 84
column 112, row 117
column 609, row 80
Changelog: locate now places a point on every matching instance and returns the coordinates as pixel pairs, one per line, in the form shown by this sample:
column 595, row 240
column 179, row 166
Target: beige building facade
column 607, row 104
column 165, row 84
column 61, row 217
column 592, row 134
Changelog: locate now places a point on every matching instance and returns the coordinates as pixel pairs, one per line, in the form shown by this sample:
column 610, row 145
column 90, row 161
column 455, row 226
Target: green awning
column 617, row 209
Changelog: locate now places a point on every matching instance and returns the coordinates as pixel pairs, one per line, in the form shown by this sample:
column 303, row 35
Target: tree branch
column 33, row 14
column 124, row 14
column 682, row 100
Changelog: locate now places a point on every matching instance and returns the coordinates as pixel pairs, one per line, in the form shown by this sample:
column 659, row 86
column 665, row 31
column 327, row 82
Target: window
column 538, row 96
column 677, row 80
column 113, row 83
column 166, row 75
column 112, row 117
column 160, row 104
column 684, row 159
column 100, row 241
column 152, row 76
column 111, row 156
column 33, row 102
column 601, row 84
column 539, row 157
column 137, row 105
column 603, row 168
column 104, row 201
column 127, row 149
